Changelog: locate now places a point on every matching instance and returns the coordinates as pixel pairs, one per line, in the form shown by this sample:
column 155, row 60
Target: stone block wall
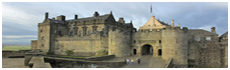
column 211, row 55
column 14, row 53
column 73, row 63
column 175, row 46
column 34, row 44
column 119, row 42
column 81, row 45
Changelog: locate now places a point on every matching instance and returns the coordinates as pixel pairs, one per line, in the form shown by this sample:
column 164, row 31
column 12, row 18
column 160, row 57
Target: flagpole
column 151, row 17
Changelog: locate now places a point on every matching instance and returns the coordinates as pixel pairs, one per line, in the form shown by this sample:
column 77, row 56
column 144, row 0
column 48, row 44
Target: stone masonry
column 89, row 36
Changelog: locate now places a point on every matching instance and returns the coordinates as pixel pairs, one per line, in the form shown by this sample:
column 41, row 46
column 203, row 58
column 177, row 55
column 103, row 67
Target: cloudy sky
column 19, row 20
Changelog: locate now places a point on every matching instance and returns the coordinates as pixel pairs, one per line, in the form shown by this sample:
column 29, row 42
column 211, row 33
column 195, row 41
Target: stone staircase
column 147, row 61
column 38, row 62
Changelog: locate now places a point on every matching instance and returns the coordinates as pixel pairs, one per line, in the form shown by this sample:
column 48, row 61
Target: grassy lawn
column 16, row 48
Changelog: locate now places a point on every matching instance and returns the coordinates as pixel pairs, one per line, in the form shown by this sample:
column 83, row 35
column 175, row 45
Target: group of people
column 132, row 61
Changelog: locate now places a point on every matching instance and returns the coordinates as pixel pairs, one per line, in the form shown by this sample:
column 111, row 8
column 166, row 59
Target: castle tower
column 172, row 23
column 119, row 43
column 175, row 46
column 43, row 42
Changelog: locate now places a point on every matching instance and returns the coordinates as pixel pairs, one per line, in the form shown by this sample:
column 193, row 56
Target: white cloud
column 18, row 36
column 14, row 15
column 208, row 27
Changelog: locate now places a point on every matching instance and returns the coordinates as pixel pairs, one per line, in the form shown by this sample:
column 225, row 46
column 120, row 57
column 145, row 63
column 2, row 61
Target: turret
column 172, row 23
column 61, row 17
column 121, row 20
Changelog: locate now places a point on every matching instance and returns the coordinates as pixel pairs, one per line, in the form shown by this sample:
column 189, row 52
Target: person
column 132, row 61
column 139, row 61
column 127, row 61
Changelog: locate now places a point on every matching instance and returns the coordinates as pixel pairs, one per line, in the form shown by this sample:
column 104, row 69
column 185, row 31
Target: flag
column 151, row 8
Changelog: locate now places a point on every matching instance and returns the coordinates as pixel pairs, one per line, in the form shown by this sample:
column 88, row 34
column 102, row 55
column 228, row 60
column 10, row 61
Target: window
column 42, row 45
column 43, row 38
column 84, row 30
column 208, row 38
column 94, row 28
column 41, row 30
column 71, row 33
column 55, row 31
column 76, row 30
column 59, row 32
column 159, row 52
column 159, row 41
column 197, row 39
column 134, row 41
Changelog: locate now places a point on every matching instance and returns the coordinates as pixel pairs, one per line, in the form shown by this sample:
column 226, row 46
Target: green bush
column 69, row 52
column 102, row 52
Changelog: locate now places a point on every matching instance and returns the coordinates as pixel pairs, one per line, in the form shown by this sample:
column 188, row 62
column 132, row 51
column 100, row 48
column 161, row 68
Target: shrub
column 69, row 52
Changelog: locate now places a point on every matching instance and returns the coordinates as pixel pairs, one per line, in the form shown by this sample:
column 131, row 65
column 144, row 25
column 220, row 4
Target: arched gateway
column 146, row 50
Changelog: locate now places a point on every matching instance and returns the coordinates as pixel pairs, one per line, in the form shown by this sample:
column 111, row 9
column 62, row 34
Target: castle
column 92, row 36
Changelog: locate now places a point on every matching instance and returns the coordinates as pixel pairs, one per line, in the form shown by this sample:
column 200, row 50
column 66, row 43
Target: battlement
column 185, row 29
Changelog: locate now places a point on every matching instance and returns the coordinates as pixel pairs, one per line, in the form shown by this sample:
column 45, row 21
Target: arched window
column 41, row 30
column 43, row 37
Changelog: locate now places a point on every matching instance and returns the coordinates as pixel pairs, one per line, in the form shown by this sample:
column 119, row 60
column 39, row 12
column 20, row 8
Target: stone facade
column 89, row 36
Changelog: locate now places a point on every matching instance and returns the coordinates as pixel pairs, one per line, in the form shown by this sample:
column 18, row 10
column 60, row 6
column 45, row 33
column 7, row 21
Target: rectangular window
column 59, row 32
column 208, row 38
column 197, row 39
column 159, row 41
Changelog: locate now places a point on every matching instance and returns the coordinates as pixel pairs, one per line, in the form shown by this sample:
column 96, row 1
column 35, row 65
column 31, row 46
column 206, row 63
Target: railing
column 169, row 63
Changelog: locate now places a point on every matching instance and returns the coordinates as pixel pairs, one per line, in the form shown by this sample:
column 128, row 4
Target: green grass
column 16, row 48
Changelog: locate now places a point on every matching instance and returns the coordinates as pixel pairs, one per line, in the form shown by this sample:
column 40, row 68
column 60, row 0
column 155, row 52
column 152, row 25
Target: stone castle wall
column 43, row 37
column 175, row 46
column 142, row 38
column 81, row 45
column 119, row 42
column 34, row 44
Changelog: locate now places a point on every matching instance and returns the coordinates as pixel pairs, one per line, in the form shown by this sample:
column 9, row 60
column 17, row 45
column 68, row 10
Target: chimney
column 172, row 23
column 213, row 29
column 46, row 15
column 96, row 14
column 61, row 17
column 121, row 20
column 111, row 12
column 76, row 17
column 178, row 25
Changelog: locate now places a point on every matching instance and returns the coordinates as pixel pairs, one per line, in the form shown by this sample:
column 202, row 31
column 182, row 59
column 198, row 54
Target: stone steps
column 38, row 62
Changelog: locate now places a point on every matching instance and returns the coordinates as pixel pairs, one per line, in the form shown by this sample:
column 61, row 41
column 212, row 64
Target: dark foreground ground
column 13, row 63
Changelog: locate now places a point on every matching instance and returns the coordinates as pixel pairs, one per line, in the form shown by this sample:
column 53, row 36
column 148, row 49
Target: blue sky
column 20, row 19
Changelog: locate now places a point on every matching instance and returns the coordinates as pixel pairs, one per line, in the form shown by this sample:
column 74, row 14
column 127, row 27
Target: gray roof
column 224, row 35
column 162, row 22
column 56, row 21
column 90, row 18
column 200, row 31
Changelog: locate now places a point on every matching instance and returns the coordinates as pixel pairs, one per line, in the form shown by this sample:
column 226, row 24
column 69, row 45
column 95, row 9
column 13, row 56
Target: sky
column 20, row 19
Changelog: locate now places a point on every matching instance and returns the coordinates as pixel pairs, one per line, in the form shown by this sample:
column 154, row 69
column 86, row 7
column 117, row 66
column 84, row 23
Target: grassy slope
column 16, row 48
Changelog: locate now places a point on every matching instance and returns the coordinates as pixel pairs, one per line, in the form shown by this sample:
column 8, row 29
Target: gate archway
column 146, row 49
